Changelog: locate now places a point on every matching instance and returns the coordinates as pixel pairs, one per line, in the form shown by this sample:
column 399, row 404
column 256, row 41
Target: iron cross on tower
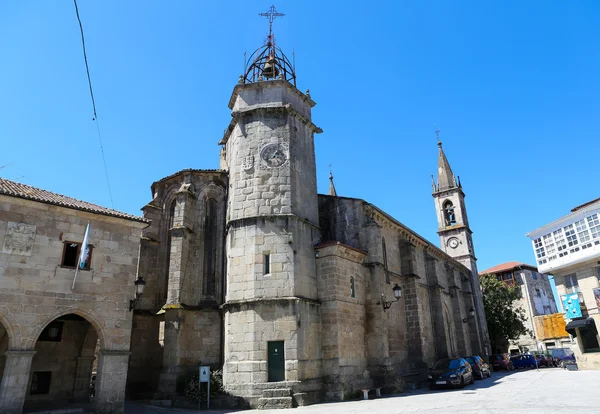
column 271, row 15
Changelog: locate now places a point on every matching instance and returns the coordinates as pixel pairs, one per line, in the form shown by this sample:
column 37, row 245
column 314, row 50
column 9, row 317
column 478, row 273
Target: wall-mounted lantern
column 140, row 284
column 397, row 294
column 471, row 313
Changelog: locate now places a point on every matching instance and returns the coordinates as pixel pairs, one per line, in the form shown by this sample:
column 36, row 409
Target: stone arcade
column 249, row 269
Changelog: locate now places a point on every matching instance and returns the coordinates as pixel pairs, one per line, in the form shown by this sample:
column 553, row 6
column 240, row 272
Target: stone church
column 300, row 297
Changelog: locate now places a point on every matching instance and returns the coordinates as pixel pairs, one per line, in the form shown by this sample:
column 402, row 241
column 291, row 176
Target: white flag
column 85, row 250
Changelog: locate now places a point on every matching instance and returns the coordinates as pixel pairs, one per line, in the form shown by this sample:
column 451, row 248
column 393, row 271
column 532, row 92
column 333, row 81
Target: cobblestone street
column 546, row 391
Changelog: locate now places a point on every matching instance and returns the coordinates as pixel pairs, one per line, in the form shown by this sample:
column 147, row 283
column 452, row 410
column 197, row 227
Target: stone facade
column 37, row 301
column 298, row 305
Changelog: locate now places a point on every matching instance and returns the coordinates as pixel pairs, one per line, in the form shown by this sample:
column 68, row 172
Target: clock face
column 274, row 155
column 453, row 242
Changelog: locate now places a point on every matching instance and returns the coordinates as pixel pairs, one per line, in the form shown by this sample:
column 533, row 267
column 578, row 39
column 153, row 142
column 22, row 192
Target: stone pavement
column 549, row 390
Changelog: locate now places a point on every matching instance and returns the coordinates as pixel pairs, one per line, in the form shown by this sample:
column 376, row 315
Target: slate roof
column 14, row 189
column 504, row 267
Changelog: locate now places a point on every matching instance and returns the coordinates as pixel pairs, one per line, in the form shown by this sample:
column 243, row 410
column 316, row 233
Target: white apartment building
column 569, row 248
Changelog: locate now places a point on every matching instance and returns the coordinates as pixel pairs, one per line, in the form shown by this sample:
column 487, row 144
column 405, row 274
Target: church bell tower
column 456, row 235
column 272, row 335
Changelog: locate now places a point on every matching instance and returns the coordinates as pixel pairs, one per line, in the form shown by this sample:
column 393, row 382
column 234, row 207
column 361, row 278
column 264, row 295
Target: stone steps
column 275, row 403
column 276, row 398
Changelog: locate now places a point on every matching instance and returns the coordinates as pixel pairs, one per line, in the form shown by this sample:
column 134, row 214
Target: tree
column 505, row 321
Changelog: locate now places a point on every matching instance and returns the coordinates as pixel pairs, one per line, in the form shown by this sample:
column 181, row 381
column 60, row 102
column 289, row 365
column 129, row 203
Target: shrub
column 196, row 393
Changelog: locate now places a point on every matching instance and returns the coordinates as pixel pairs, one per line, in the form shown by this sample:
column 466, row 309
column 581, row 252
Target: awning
column 580, row 323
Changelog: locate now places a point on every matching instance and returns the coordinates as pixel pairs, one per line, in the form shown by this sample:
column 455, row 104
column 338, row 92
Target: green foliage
column 197, row 394
column 505, row 322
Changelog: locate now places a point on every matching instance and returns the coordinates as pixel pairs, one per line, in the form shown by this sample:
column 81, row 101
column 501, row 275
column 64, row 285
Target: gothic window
column 172, row 214
column 210, row 247
column 352, row 287
column 385, row 264
column 449, row 216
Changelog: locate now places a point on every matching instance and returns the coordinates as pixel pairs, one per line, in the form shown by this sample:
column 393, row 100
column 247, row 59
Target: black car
column 480, row 368
column 452, row 372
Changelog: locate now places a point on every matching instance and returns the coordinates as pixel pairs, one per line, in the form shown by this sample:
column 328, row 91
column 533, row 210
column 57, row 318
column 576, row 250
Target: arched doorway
column 3, row 348
column 62, row 367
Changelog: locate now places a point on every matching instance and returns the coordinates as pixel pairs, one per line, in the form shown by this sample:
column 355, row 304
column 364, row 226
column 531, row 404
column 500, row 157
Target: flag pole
column 83, row 253
column 75, row 278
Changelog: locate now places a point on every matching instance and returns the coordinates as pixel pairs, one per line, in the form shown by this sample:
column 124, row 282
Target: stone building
column 50, row 329
column 536, row 300
column 569, row 249
column 292, row 292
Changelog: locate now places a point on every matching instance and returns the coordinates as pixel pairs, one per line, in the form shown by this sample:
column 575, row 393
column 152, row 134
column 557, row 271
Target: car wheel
column 481, row 375
column 562, row 364
column 489, row 373
column 462, row 382
column 473, row 378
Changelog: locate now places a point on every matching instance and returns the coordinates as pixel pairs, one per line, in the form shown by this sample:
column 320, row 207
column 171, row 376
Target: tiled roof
column 506, row 267
column 14, row 189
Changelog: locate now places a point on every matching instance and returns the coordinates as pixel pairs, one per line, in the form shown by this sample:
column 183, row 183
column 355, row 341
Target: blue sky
column 513, row 86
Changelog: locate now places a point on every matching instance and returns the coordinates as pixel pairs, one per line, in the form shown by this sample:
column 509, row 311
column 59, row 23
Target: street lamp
column 397, row 294
column 140, row 284
column 471, row 313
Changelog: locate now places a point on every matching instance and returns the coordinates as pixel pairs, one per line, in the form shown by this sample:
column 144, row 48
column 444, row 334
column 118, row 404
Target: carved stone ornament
column 19, row 239
column 248, row 163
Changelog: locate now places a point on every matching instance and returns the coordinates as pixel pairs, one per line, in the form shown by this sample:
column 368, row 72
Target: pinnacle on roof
column 332, row 191
column 446, row 179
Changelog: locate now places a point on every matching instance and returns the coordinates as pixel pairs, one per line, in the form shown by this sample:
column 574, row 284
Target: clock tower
column 456, row 235
column 271, row 312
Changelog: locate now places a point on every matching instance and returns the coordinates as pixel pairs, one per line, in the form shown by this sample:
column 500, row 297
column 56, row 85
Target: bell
column 270, row 70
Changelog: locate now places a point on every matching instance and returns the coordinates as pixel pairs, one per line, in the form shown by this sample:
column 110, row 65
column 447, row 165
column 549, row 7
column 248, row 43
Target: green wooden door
column 276, row 361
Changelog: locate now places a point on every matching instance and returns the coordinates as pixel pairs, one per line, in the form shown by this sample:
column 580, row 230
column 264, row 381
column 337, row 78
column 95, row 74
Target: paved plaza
column 549, row 390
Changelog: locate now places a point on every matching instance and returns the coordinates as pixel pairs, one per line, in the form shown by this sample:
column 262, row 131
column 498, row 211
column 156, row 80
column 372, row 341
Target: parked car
column 501, row 361
column 481, row 369
column 524, row 361
column 562, row 356
column 453, row 372
column 544, row 361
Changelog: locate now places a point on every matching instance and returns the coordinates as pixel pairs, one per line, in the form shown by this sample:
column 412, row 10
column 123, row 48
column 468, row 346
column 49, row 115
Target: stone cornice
column 379, row 215
column 269, row 217
column 284, row 299
column 266, row 84
column 285, row 109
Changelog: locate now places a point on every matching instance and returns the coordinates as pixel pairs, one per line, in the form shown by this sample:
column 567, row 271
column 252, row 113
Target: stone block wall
column 342, row 292
column 250, row 325
column 35, row 289
column 288, row 242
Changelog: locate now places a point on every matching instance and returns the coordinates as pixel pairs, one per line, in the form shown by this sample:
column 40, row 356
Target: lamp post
column 397, row 294
column 140, row 284
column 471, row 313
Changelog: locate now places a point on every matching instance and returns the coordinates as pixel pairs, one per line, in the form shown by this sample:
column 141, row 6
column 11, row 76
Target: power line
column 95, row 118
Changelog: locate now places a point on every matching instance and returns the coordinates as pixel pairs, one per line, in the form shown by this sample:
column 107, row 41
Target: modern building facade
column 53, row 332
column 569, row 248
column 536, row 300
